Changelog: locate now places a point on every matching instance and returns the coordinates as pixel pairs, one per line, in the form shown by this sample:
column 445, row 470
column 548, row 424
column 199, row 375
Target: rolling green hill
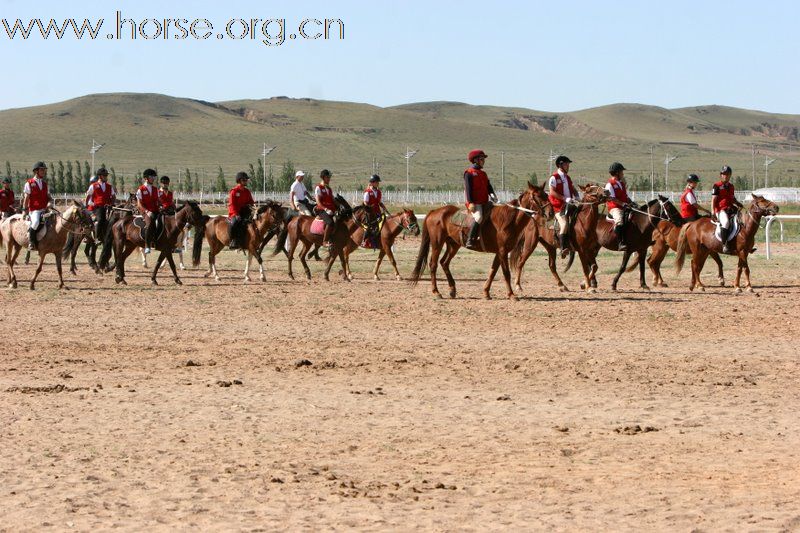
column 170, row 133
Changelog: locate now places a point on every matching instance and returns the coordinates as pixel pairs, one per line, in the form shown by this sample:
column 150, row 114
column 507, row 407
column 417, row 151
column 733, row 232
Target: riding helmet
column 615, row 167
column 164, row 179
column 726, row 170
column 149, row 173
column 475, row 154
column 694, row 178
column 562, row 159
column 6, row 180
column 102, row 172
column 325, row 173
column 374, row 178
column 39, row 165
column 241, row 176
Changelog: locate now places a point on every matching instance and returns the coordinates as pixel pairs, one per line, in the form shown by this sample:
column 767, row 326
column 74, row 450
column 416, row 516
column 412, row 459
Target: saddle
column 318, row 226
column 48, row 219
column 138, row 221
column 372, row 232
column 736, row 226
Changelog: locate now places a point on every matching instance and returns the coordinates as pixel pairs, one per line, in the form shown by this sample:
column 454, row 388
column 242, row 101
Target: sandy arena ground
column 187, row 407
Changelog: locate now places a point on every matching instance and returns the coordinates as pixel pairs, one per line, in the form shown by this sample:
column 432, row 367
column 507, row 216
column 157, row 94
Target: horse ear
column 544, row 184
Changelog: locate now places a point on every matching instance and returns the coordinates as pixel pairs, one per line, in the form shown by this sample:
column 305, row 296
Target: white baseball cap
column 299, row 173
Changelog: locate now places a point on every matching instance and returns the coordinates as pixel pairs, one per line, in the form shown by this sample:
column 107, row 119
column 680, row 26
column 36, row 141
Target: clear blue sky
column 553, row 56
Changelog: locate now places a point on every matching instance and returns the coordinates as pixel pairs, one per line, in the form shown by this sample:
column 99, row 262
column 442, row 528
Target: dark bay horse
column 298, row 232
column 128, row 237
column 698, row 237
column 499, row 234
column 269, row 216
column 584, row 234
column 665, row 238
column 638, row 234
column 392, row 226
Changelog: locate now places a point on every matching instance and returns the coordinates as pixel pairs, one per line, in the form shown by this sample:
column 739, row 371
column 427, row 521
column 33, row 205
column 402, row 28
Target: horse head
column 271, row 213
column 593, row 193
column 667, row 210
column 409, row 221
column 344, row 208
column 194, row 215
column 761, row 206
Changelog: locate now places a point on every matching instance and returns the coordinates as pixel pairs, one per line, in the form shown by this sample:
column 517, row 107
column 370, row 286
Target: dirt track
column 415, row 412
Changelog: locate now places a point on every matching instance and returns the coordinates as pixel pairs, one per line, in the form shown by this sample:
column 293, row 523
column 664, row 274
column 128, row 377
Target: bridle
column 83, row 229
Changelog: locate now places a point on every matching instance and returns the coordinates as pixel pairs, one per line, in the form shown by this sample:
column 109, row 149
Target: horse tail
column 680, row 251
column 197, row 243
column 281, row 242
column 570, row 261
column 633, row 264
column 422, row 255
column 516, row 254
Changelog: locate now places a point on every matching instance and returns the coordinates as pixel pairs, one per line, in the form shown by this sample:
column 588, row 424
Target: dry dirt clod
column 504, row 398
column 222, row 383
column 191, row 363
column 302, row 362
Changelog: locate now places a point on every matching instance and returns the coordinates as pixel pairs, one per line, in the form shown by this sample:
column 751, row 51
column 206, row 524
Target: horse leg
column 39, row 269
column 436, row 249
column 171, row 262
column 588, row 272
column 551, row 262
column 11, row 259
column 503, row 255
column 160, row 260
column 390, row 255
column 345, row 266
column 180, row 258
column 626, row 255
column 720, row 274
column 654, row 262
column 700, row 256
column 329, row 265
column 261, row 273
column 290, row 255
column 27, row 257
column 378, row 266
column 247, row 267
column 303, row 253
column 58, row 269
column 737, row 282
column 144, row 258
column 527, row 250
column 449, row 254
column 749, row 287
column 121, row 253
column 492, row 273
column 642, row 281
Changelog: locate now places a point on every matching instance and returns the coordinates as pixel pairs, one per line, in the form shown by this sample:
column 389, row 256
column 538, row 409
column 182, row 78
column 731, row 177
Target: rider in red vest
column 326, row 204
column 373, row 198
column 618, row 200
column 477, row 191
column 36, row 200
column 165, row 197
column 99, row 200
column 147, row 203
column 6, row 198
column 724, row 204
column 561, row 196
column 689, row 206
column 239, row 210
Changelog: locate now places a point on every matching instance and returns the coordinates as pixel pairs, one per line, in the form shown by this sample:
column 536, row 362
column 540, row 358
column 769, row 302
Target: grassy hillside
column 142, row 130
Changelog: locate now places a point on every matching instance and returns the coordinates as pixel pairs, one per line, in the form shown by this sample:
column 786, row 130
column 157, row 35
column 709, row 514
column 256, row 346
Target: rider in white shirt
column 298, row 195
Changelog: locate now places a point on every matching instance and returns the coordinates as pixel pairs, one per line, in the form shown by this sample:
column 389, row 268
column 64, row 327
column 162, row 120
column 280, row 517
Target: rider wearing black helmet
column 689, row 207
column 36, row 201
column 562, row 195
column 617, row 201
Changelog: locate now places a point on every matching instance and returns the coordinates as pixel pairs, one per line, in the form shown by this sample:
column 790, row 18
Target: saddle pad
column 318, row 226
column 735, row 227
column 461, row 218
column 41, row 232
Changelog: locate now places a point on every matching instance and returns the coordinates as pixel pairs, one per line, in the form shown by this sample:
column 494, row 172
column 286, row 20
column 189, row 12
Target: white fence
column 772, row 219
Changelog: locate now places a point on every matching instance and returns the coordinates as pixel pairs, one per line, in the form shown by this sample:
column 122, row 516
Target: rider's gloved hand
column 493, row 197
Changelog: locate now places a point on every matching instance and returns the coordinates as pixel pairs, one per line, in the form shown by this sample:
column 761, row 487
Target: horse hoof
column 207, row 274
column 583, row 285
column 34, row 288
column 217, row 278
column 722, row 283
column 563, row 288
column 438, row 294
column 399, row 278
column 645, row 288
column 750, row 289
column 592, row 290
column 487, row 296
column 737, row 290
column 263, row 279
column 178, row 282
column 513, row 297
column 376, row 278
column 153, row 282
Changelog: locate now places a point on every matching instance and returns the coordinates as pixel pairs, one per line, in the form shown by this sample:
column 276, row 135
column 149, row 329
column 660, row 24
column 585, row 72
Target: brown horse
column 698, row 237
column 537, row 232
column 584, row 234
column 268, row 217
column 392, row 226
column 638, row 234
column 665, row 238
column 298, row 231
column 499, row 234
column 128, row 237
column 14, row 231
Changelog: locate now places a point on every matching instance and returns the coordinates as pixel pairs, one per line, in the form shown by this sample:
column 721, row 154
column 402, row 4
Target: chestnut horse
column 698, row 237
column 14, row 232
column 269, row 216
column 583, row 237
column 665, row 238
column 128, row 237
column 638, row 234
column 392, row 226
column 499, row 234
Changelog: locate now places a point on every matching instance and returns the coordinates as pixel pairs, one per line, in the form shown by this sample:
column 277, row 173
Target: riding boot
column 723, row 234
column 619, row 231
column 326, row 236
column 563, row 242
column 32, row 239
column 474, row 230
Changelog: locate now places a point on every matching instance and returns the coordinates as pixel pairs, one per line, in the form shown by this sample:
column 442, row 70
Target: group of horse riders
column 564, row 199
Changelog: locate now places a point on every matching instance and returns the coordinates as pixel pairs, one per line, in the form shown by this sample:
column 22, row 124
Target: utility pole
column 409, row 154
column 502, row 170
column 753, row 152
column 667, row 161
column 767, row 163
column 95, row 148
column 550, row 161
column 652, row 174
column 264, row 153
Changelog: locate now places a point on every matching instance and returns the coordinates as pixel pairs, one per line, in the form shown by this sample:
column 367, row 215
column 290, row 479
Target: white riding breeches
column 562, row 222
column 478, row 213
column 617, row 215
column 724, row 219
column 36, row 218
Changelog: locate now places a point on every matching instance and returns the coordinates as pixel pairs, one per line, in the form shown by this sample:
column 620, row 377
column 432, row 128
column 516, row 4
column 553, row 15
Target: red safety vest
column 37, row 199
column 561, row 188
column 324, row 196
column 100, row 197
column 688, row 210
column 6, row 200
column 238, row 198
column 374, row 199
column 165, row 199
column 480, row 186
column 620, row 194
column 724, row 194
column 149, row 199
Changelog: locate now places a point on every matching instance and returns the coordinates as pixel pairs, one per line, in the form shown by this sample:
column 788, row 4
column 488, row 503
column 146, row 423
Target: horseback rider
column 6, row 198
column 561, row 196
column 326, row 204
column 99, row 199
column 724, row 205
column 239, row 202
column 618, row 201
column 298, row 195
column 689, row 207
column 373, row 197
column 165, row 199
column 36, row 200
column 478, row 191
column 147, row 203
